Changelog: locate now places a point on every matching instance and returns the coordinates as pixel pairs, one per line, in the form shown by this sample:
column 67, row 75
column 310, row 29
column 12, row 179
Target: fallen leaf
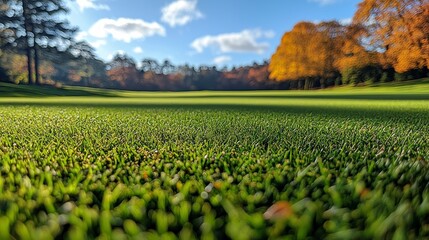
column 279, row 210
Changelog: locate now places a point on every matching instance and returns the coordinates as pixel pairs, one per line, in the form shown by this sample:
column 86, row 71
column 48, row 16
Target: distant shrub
column 338, row 81
column 410, row 75
column 331, row 82
column 3, row 75
column 386, row 76
column 368, row 74
column 400, row 77
column 347, row 75
column 371, row 80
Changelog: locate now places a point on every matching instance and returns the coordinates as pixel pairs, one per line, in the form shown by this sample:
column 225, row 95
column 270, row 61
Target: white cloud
column 324, row 2
column 80, row 36
column 222, row 60
column 244, row 41
column 98, row 43
column 345, row 21
column 83, row 36
column 110, row 56
column 125, row 29
column 138, row 50
column 84, row 4
column 180, row 12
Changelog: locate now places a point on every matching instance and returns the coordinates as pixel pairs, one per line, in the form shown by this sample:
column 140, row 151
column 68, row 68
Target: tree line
column 151, row 75
column 386, row 41
column 38, row 46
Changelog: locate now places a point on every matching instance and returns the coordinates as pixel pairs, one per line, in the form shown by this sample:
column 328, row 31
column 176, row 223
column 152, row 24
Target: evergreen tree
column 43, row 26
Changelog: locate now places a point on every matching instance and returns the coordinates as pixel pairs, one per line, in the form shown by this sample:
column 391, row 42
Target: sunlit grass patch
column 209, row 166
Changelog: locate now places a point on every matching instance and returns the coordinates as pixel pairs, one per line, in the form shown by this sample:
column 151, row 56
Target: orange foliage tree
column 123, row 70
column 307, row 52
column 399, row 29
column 353, row 53
column 16, row 66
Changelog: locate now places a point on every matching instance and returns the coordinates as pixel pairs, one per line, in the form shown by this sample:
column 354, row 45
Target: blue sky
column 220, row 32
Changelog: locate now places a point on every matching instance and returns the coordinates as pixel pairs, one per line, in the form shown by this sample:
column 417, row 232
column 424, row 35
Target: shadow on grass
column 84, row 93
column 403, row 116
column 345, row 96
column 419, row 82
column 12, row 90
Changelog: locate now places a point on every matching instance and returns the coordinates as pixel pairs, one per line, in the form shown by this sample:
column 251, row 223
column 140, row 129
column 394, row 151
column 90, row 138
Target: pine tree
column 43, row 25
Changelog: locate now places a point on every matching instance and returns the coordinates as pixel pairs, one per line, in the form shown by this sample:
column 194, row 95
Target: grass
column 335, row 164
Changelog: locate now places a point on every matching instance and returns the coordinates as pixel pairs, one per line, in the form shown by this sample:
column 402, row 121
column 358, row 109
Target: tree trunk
column 36, row 57
column 307, row 84
column 36, row 63
column 27, row 42
column 87, row 75
column 300, row 85
column 29, row 65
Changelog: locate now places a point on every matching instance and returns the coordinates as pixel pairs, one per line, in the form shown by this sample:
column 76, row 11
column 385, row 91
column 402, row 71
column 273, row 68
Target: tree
column 123, row 70
column 290, row 60
column 398, row 28
column 307, row 52
column 14, row 18
column 355, row 61
column 167, row 67
column 331, row 39
column 42, row 25
column 150, row 65
column 84, row 56
column 423, row 23
column 7, row 33
column 258, row 76
column 414, row 52
column 189, row 74
column 15, row 66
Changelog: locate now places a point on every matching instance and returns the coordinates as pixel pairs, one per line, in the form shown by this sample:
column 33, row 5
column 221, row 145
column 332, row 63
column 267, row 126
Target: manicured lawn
column 348, row 163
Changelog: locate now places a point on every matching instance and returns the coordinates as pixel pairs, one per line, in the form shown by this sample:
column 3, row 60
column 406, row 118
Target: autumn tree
column 332, row 36
column 189, row 76
column 150, row 65
column 307, row 52
column 399, row 29
column 415, row 53
column 123, row 70
column 84, row 62
column 353, row 52
column 421, row 23
column 258, row 75
column 355, row 59
column 15, row 67
column 291, row 61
